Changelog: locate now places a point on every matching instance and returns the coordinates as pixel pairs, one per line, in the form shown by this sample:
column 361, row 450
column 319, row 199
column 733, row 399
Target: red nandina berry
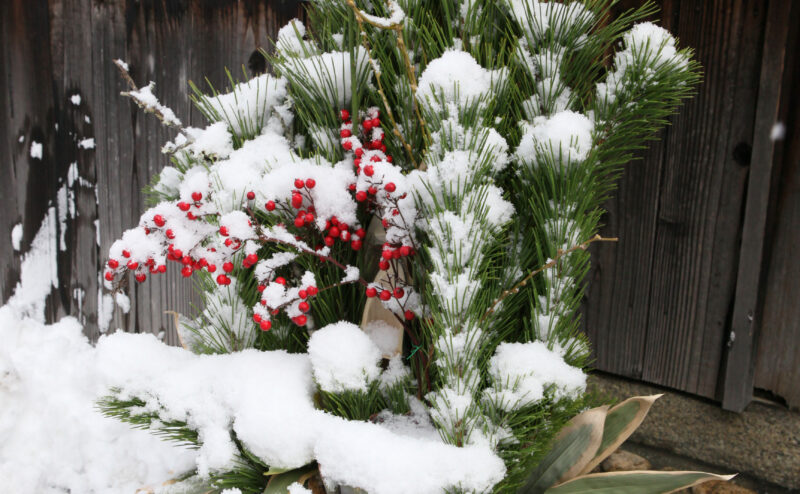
column 345, row 133
column 297, row 200
column 162, row 268
column 177, row 253
column 388, row 158
column 368, row 170
column 352, row 187
column 371, row 292
column 359, row 153
column 312, row 290
column 361, row 196
column 310, row 183
column 265, row 325
column 299, row 183
column 186, row 271
column 405, row 250
column 223, row 230
column 228, row 242
column 396, row 254
column 376, row 122
column 251, row 259
column 361, row 233
column 184, row 206
column 329, row 241
column 367, row 124
column 159, row 220
column 385, row 295
column 191, row 215
column 384, row 265
column 345, row 235
column 302, row 294
column 385, row 223
column 257, row 317
column 303, row 306
column 109, row 276
column 280, row 280
column 383, row 148
column 170, row 234
column 186, row 260
column 356, row 244
column 299, row 222
column 399, row 292
column 270, row 206
column 146, row 231
column 223, row 280
column 300, row 320
column 251, row 195
column 372, row 190
column 309, row 218
column 409, row 315
column 140, row 277
column 345, row 115
column 197, row 196
column 357, row 161
column 211, row 268
column 132, row 265
column 227, row 267
column 347, row 145
column 113, row 263
column 126, row 253
column 386, row 254
column 261, row 288
column 334, row 231
column 389, row 187
column 334, row 220
column 202, row 262
column 395, row 212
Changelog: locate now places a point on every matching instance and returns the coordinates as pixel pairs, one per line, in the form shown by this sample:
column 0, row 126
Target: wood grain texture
column 658, row 303
column 52, row 50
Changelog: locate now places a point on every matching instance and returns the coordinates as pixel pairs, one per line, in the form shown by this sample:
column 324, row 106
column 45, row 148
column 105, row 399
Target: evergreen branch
column 553, row 262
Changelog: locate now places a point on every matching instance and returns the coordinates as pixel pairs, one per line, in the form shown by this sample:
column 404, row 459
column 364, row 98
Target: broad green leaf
column 276, row 471
column 621, row 421
column 635, row 482
column 575, row 445
column 279, row 483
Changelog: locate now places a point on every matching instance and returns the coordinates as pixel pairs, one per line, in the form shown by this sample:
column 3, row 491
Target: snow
column 36, row 150
column 778, row 132
column 87, row 143
column 296, row 488
column 145, row 98
column 388, row 338
column 351, row 274
column 329, row 75
column 522, row 373
column 53, row 438
column 396, row 16
column 16, row 236
column 565, row 136
column 248, row 106
column 561, row 19
column 75, row 99
column 457, row 77
column 343, row 358
column 122, row 64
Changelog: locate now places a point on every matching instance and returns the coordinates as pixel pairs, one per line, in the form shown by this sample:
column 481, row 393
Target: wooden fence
column 701, row 294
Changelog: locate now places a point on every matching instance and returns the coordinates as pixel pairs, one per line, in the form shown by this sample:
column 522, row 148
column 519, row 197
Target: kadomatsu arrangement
column 389, row 232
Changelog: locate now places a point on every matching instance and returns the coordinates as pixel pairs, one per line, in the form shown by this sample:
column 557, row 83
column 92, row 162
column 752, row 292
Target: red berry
column 389, row 187
column 405, row 250
column 299, row 222
column 261, row 288
column 265, row 325
column 345, row 115
column 385, row 295
column 368, row 170
column 356, row 244
column 303, row 306
column 371, row 292
column 396, row 254
column 375, row 159
column 251, row 195
column 312, row 290
column 297, row 200
column 345, row 133
column 184, row 206
column 310, row 183
column 113, row 263
column 191, row 215
column 162, row 268
column 385, row 223
column 228, row 242
column 223, row 230
column 372, row 190
column 140, row 277
column 388, row 158
column 126, row 253
column 177, row 253
column 223, row 280
column 257, row 317
column 197, row 196
column 359, row 153
column 170, row 234
column 211, row 268
column 300, row 320
column 302, row 294
column 357, row 161
column 361, row 233
column 329, row 241
column 159, row 220
column 309, row 218
column 409, row 315
column 347, row 145
column 186, row 260
column 227, row 267
column 186, row 271
column 109, row 276
column 352, row 187
column 361, row 196
column 251, row 259
column 367, row 124
column 386, row 254
column 384, row 265
column 345, row 235
column 399, row 292
column 132, row 265
column 280, row 280
column 376, row 122
column 334, row 231
column 299, row 184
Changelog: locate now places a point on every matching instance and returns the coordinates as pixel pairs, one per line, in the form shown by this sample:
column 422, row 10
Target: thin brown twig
column 551, row 263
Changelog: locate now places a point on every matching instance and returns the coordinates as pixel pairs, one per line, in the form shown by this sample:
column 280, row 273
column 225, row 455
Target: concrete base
column 762, row 443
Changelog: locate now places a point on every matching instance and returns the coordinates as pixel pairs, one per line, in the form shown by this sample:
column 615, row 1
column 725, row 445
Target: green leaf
column 636, row 482
column 276, row 471
column 575, row 445
column 280, row 482
column 621, row 421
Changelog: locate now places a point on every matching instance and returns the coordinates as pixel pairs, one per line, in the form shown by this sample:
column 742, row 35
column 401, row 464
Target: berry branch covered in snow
column 404, row 206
